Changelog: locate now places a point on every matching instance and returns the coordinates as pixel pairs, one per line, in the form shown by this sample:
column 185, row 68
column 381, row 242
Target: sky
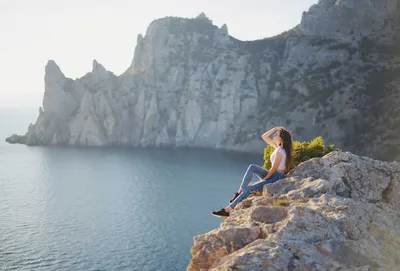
column 74, row 32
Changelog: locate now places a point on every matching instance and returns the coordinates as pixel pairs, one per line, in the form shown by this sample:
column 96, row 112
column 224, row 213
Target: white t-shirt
column 283, row 160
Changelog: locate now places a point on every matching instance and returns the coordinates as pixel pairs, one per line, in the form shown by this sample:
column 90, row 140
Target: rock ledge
column 338, row 212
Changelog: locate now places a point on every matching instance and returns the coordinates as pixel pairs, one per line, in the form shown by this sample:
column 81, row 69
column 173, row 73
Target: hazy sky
column 75, row 32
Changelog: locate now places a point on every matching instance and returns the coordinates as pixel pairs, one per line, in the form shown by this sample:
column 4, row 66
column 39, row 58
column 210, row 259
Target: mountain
column 191, row 84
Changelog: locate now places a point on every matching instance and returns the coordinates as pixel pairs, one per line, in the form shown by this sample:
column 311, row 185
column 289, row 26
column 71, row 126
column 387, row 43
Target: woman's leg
column 277, row 176
column 252, row 169
column 245, row 193
column 246, row 190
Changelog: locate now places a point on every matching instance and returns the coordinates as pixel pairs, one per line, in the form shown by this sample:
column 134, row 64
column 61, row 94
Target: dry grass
column 287, row 202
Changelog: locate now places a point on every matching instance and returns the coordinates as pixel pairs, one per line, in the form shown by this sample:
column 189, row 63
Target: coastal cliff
column 338, row 212
column 192, row 84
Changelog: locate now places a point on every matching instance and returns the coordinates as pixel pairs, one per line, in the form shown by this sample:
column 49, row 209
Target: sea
column 69, row 208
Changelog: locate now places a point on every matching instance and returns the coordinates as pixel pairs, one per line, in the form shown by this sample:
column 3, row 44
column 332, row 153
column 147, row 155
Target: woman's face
column 277, row 139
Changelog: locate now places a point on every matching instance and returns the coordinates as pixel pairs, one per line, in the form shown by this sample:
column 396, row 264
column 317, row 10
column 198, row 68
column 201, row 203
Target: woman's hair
column 287, row 144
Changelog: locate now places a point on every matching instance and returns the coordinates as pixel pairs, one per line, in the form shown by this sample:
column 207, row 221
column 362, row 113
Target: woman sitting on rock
column 280, row 159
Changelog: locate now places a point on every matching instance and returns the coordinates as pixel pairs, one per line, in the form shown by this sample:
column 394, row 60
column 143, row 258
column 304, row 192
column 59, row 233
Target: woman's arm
column 278, row 158
column 267, row 139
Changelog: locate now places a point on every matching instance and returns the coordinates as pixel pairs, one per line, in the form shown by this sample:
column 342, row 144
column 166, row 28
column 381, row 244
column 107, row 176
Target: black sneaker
column 234, row 197
column 221, row 213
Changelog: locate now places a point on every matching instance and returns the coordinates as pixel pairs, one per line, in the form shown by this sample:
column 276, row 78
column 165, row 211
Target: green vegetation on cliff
column 302, row 151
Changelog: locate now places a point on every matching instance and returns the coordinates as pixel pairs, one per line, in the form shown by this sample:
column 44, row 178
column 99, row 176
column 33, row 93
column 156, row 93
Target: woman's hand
column 267, row 139
column 267, row 134
column 275, row 164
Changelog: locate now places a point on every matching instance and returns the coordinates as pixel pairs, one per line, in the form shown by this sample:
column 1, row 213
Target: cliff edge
column 338, row 212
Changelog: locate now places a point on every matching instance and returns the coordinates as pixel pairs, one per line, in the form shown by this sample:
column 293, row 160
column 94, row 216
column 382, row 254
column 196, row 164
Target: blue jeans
column 260, row 172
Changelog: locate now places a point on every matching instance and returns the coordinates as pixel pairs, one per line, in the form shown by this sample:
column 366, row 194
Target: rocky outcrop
column 16, row 139
column 191, row 84
column 338, row 212
column 351, row 21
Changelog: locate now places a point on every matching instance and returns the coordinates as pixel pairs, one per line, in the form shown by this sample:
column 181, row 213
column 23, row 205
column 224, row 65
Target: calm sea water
column 107, row 209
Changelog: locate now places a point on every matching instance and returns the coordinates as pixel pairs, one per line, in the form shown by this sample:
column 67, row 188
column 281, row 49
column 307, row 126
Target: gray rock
column 221, row 242
column 268, row 215
column 320, row 229
column 16, row 139
column 327, row 19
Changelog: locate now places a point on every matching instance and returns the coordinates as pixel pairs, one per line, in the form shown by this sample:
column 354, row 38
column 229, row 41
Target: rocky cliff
column 191, row 84
column 338, row 212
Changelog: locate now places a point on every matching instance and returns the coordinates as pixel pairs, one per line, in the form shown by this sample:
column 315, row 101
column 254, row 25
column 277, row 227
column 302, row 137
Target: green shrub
column 302, row 151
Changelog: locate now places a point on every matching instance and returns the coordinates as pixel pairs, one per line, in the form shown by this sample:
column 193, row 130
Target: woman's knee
column 246, row 191
column 252, row 167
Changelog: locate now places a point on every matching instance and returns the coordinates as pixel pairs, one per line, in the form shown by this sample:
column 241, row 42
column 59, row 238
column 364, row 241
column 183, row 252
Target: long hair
column 287, row 145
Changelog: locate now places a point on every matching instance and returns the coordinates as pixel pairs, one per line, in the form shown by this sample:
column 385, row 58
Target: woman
column 280, row 159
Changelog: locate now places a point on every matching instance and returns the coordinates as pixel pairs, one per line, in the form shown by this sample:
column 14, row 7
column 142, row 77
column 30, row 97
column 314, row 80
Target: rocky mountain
column 339, row 212
column 191, row 84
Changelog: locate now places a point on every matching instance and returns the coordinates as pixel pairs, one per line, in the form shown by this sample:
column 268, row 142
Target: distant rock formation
column 16, row 139
column 339, row 212
column 191, row 84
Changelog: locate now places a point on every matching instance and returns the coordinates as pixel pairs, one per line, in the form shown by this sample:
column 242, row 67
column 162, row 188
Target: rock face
column 191, row 84
column 16, row 139
column 338, row 212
